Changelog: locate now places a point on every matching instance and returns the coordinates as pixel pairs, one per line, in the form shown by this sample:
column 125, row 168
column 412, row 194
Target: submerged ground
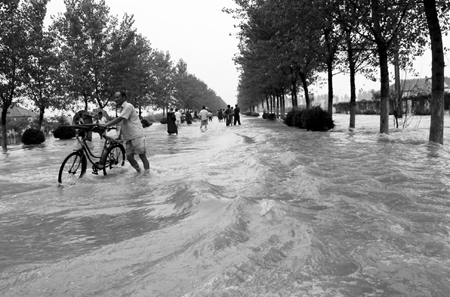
column 260, row 209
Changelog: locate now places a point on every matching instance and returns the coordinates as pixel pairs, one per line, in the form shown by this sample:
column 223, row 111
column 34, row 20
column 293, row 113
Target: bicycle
column 75, row 164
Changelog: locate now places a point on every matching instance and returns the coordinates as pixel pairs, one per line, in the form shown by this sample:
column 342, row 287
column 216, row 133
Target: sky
column 198, row 32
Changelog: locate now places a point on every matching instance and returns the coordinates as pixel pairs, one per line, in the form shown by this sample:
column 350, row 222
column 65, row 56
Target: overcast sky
column 198, row 32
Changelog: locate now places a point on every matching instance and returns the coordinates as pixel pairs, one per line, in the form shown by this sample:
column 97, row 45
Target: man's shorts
column 135, row 146
column 205, row 122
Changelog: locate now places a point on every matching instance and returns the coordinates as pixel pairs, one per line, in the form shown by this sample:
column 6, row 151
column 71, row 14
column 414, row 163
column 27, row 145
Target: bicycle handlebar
column 92, row 127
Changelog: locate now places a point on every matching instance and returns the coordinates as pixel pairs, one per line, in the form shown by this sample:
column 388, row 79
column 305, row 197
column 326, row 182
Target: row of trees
column 286, row 44
column 84, row 56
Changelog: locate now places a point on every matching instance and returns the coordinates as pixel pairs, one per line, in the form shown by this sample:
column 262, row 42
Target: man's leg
column 145, row 161
column 133, row 162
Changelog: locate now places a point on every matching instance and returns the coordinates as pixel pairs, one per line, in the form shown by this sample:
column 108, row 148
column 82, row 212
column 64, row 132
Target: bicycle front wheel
column 73, row 167
column 114, row 158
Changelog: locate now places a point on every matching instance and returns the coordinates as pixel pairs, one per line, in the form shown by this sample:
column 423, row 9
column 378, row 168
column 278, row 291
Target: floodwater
column 260, row 209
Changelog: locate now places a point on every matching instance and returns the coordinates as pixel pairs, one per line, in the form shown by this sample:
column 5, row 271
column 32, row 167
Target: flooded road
column 260, row 209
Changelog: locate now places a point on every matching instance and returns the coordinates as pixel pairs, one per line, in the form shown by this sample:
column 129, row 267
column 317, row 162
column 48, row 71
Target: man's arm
column 113, row 122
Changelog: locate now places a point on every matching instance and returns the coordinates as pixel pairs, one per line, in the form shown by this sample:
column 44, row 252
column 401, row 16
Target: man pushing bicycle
column 132, row 132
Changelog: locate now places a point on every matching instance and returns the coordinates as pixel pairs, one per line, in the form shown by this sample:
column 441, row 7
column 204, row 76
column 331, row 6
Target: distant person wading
column 228, row 115
column 204, row 118
column 172, row 127
column 237, row 116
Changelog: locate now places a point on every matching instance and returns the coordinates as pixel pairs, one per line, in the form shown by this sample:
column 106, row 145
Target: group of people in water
column 230, row 115
column 131, row 130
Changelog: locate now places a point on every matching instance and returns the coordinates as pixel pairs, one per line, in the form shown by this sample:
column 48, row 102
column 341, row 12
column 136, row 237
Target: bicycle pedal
column 94, row 169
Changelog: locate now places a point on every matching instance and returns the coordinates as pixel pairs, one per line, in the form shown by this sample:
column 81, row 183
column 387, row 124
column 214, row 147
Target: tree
column 85, row 37
column 437, row 69
column 357, row 54
column 131, row 59
column 381, row 22
column 17, row 21
column 274, row 38
column 138, row 72
column 320, row 23
column 42, row 68
column 189, row 92
column 162, row 73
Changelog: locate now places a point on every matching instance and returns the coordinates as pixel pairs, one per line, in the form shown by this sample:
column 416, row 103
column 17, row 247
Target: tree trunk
column 437, row 73
column 352, row 68
column 294, row 89
column 384, row 92
column 398, row 112
column 3, row 126
column 294, row 97
column 272, row 100
column 305, row 89
column 278, row 105
column 352, row 94
column 330, row 88
column 85, row 99
column 41, row 117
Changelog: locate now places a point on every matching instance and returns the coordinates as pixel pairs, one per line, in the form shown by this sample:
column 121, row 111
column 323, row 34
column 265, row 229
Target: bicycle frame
column 86, row 151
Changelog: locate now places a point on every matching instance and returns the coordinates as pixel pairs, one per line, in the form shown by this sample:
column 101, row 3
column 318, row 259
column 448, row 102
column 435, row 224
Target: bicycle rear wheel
column 114, row 158
column 73, row 166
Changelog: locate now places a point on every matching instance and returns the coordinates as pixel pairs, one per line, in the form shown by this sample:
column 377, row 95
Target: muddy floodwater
column 260, row 209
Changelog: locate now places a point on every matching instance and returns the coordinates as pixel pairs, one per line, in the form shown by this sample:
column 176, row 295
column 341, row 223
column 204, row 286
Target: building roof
column 19, row 112
column 420, row 85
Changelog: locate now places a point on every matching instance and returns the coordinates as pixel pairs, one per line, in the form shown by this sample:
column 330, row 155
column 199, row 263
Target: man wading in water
column 132, row 132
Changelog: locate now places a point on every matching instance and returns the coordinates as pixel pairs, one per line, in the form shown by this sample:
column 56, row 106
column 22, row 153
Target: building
column 17, row 112
column 419, row 86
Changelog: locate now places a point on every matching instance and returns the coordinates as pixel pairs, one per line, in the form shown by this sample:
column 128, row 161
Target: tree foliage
column 84, row 57
column 303, row 38
column 84, row 33
column 19, row 21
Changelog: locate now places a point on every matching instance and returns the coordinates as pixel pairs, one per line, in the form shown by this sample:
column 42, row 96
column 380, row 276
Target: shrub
column 293, row 118
column 251, row 113
column 145, row 123
column 33, row 136
column 369, row 112
column 64, row 132
column 269, row 116
column 316, row 119
column 163, row 120
column 289, row 119
column 298, row 119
